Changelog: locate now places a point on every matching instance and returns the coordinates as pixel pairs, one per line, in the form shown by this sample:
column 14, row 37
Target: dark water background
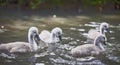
column 75, row 27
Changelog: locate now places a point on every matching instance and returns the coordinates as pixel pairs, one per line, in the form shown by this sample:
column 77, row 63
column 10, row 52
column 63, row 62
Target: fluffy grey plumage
column 22, row 47
column 90, row 49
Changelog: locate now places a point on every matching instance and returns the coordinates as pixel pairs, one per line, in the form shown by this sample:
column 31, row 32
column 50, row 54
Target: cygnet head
column 100, row 39
column 57, row 34
column 105, row 27
column 33, row 33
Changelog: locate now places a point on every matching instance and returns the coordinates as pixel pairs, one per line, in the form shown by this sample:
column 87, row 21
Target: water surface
column 14, row 27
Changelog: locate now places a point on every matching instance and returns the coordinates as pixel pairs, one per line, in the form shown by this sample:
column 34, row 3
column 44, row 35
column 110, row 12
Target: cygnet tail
column 2, row 47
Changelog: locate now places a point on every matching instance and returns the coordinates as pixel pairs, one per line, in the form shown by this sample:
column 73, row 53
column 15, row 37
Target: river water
column 15, row 25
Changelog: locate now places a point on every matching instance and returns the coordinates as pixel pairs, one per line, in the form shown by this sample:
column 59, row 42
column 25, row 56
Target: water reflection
column 75, row 32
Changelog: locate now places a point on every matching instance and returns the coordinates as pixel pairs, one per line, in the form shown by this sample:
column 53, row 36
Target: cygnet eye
column 58, row 33
column 34, row 32
column 105, row 26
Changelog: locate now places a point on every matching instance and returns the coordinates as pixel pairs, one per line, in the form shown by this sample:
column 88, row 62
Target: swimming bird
column 93, row 33
column 54, row 36
column 90, row 49
column 23, row 47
